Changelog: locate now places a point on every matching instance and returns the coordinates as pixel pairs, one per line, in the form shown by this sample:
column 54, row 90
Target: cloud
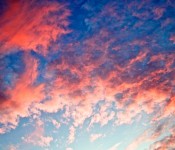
column 164, row 144
column 139, row 140
column 12, row 147
column 150, row 134
column 71, row 137
column 172, row 38
column 158, row 12
column 115, row 147
column 95, row 137
column 168, row 109
column 99, row 67
column 56, row 123
column 123, row 60
column 37, row 137
column 21, row 96
column 104, row 115
column 32, row 25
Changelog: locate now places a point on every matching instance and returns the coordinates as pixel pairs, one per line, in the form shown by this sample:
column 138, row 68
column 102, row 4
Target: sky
column 87, row 75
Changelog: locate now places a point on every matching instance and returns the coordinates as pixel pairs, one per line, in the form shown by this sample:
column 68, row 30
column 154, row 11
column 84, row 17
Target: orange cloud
column 32, row 25
column 83, row 81
column 169, row 108
column 21, row 96
column 165, row 144
column 100, row 73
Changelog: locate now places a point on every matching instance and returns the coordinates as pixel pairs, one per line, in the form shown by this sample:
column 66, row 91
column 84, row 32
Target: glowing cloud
column 89, row 71
column 32, row 25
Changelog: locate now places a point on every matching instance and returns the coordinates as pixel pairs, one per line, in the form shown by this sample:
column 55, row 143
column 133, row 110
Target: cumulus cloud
column 104, row 115
column 37, row 137
column 107, row 70
column 27, row 26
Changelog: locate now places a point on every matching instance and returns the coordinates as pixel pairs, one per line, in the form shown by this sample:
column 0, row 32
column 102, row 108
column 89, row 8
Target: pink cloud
column 56, row 123
column 172, row 38
column 37, row 137
column 94, row 137
column 12, row 147
column 139, row 140
column 80, row 90
column 103, row 116
column 158, row 12
column 164, row 144
column 35, row 29
column 21, row 96
column 85, row 91
column 71, row 137
column 149, row 135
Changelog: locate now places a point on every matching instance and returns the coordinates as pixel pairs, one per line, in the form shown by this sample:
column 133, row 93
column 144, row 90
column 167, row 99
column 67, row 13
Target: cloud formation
column 20, row 97
column 32, row 25
column 37, row 136
column 115, row 67
column 95, row 137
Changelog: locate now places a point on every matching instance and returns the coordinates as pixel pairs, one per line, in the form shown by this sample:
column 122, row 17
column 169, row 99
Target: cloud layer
column 32, row 25
column 89, row 65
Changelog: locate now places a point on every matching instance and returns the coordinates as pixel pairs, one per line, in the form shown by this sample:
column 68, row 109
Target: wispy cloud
column 115, row 147
column 94, row 137
column 32, row 25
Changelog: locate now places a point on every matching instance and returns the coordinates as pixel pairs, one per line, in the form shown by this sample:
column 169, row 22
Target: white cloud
column 115, row 147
